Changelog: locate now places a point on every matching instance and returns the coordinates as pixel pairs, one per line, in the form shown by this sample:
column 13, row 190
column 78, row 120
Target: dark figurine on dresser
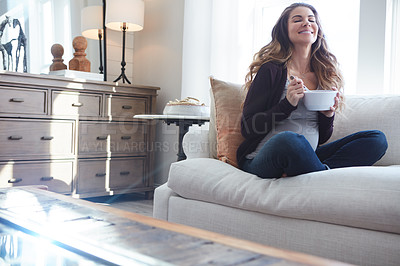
column 3, row 50
column 21, row 43
column 9, row 47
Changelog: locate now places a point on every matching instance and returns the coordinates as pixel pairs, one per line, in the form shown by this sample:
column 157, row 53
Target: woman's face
column 302, row 26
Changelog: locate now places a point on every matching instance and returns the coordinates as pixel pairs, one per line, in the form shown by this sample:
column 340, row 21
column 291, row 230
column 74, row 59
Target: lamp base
column 123, row 63
column 123, row 77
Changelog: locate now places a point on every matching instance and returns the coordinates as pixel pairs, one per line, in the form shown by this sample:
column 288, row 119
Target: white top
column 301, row 121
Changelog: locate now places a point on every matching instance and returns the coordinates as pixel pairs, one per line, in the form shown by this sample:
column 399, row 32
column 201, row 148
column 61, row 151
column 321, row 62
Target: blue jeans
column 291, row 153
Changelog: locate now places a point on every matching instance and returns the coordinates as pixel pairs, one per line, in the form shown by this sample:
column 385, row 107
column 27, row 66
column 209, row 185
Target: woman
column 283, row 138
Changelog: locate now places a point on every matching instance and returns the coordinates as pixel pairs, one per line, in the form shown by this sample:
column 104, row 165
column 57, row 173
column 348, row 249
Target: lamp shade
column 92, row 21
column 130, row 12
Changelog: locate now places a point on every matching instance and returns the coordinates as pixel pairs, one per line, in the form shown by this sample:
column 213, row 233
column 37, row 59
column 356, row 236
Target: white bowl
column 319, row 100
column 190, row 110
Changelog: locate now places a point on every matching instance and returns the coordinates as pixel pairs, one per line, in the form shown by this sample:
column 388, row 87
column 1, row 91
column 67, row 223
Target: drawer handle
column 14, row 180
column 101, row 137
column 17, row 100
column 77, row 104
column 125, row 173
column 46, row 178
column 100, row 174
column 126, row 137
column 47, row 138
column 127, row 107
column 15, row 137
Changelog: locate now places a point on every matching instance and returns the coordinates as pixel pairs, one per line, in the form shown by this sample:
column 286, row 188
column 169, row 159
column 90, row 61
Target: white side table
column 182, row 121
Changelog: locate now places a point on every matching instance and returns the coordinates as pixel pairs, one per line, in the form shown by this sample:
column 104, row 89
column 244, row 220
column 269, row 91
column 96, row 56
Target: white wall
column 157, row 61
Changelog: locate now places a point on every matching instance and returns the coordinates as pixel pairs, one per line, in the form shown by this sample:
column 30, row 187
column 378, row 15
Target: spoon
column 304, row 86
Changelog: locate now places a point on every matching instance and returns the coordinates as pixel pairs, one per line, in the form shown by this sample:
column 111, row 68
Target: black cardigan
column 263, row 108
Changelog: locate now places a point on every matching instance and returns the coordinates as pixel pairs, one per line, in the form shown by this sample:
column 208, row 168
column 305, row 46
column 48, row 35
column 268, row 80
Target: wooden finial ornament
column 57, row 51
column 79, row 62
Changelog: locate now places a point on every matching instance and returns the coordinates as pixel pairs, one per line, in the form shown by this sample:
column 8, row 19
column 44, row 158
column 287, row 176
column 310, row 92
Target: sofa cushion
column 372, row 112
column 227, row 101
column 363, row 197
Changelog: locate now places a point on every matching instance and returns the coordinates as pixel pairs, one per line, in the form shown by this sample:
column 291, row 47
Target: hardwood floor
column 134, row 202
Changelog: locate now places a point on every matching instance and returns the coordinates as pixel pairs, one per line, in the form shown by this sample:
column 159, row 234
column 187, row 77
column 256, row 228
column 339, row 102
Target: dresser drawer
column 111, row 138
column 126, row 107
column 73, row 103
column 92, row 176
column 57, row 176
column 127, row 173
column 105, row 175
column 34, row 137
column 20, row 101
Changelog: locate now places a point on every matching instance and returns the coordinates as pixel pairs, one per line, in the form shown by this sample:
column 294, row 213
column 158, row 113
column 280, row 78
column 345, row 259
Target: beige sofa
column 349, row 214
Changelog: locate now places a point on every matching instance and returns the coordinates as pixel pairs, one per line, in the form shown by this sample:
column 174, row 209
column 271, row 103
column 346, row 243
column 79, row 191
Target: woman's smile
column 306, row 32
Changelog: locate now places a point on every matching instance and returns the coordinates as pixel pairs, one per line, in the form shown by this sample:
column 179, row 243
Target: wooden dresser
column 77, row 137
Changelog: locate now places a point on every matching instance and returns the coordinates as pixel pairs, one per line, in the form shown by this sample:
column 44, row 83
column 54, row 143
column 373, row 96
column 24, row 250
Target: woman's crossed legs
column 291, row 154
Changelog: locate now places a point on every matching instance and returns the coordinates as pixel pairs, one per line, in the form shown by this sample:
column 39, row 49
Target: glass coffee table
column 39, row 227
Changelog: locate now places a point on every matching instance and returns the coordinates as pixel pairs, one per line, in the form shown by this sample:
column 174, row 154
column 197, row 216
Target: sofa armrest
column 161, row 201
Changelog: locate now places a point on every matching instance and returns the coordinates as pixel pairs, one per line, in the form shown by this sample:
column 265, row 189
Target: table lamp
column 92, row 26
column 124, row 15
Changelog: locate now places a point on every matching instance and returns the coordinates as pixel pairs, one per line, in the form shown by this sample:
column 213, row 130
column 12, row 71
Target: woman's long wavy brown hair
column 323, row 63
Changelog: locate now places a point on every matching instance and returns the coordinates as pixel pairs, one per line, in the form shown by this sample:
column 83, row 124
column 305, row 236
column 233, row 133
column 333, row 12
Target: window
column 234, row 30
column 239, row 28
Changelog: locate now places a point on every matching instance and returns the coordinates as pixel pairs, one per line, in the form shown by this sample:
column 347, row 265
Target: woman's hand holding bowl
column 331, row 112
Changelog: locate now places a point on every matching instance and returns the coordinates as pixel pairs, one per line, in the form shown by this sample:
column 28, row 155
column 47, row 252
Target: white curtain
column 392, row 55
column 196, row 49
column 216, row 40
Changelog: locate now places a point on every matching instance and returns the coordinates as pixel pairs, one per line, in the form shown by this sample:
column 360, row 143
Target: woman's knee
column 378, row 140
column 288, row 140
